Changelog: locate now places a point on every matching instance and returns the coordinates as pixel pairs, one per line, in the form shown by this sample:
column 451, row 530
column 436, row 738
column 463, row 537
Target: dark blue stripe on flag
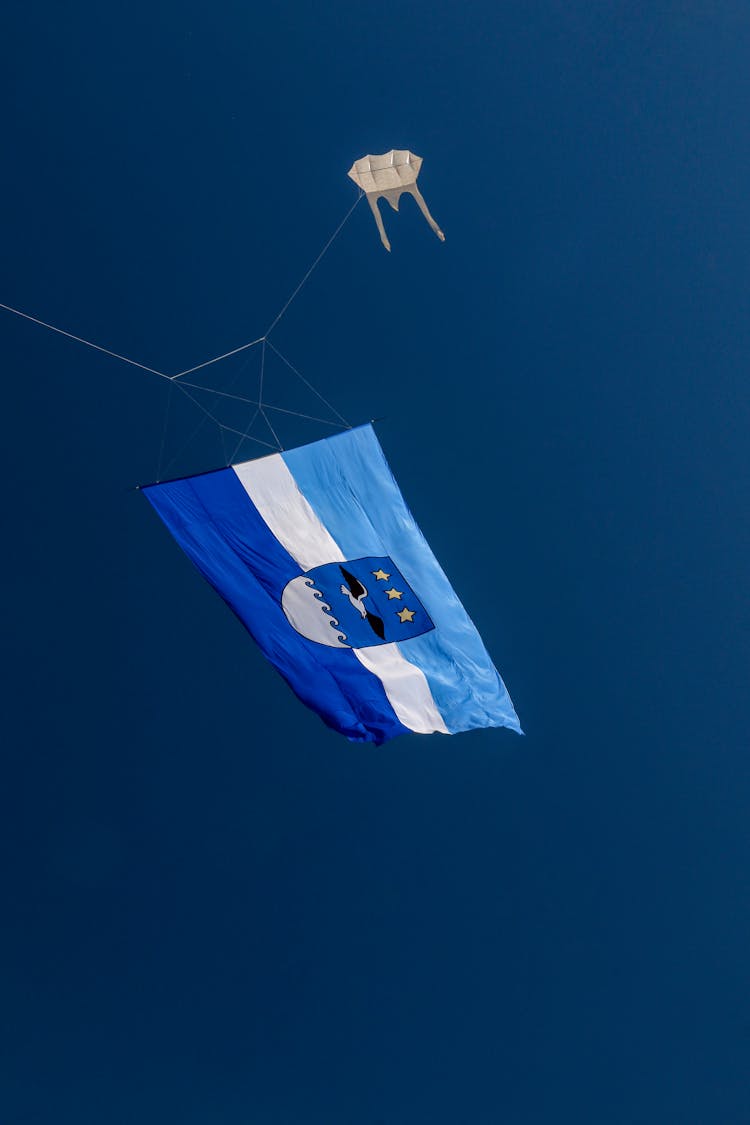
column 221, row 531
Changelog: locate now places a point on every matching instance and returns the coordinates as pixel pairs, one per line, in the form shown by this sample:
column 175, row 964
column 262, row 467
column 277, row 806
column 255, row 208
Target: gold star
column 405, row 615
column 393, row 594
column 381, row 575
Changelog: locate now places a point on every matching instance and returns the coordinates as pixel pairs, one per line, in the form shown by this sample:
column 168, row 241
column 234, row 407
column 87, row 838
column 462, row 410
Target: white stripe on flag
column 406, row 687
column 274, row 492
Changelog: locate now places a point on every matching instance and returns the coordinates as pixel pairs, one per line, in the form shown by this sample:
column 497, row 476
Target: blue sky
column 216, row 909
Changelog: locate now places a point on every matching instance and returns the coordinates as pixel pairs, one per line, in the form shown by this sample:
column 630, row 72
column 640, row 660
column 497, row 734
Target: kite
column 389, row 176
column 316, row 552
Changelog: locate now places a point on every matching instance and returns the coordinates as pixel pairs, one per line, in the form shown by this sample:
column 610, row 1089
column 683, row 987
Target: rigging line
column 274, row 322
column 207, row 415
column 80, row 340
column 223, row 437
column 220, row 394
column 266, row 405
column 247, row 437
column 226, row 355
column 200, row 406
column 307, row 417
column 249, row 426
column 262, row 372
column 184, row 445
column 164, row 431
column 244, row 436
column 309, row 385
column 222, row 428
column 267, row 420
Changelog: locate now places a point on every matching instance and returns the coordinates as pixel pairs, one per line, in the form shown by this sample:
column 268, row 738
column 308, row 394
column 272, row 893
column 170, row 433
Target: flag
column 318, row 555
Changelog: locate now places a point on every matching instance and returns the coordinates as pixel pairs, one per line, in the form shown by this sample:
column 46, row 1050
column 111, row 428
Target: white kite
column 389, row 176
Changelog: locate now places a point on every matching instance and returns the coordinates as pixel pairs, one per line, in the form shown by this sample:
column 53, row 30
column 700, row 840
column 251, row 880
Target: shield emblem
column 354, row 604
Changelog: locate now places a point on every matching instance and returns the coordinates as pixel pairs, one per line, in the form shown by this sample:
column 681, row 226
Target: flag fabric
column 318, row 555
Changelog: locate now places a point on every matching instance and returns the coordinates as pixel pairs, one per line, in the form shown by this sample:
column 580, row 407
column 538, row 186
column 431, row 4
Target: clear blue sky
column 215, row 910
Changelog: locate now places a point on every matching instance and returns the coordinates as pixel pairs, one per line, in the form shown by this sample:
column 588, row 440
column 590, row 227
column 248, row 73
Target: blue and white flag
column 318, row 555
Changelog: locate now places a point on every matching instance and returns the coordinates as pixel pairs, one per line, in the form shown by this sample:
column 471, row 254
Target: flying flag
column 318, row 555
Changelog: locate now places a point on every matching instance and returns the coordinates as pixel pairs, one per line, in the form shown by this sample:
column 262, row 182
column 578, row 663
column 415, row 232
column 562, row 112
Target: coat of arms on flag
column 355, row 604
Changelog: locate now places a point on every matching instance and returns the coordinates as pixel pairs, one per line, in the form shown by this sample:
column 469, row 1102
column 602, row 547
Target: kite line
column 261, row 406
column 80, row 340
column 335, row 234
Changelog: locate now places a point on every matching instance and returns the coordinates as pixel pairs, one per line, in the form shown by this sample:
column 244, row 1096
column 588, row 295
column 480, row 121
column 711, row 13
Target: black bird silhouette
column 356, row 593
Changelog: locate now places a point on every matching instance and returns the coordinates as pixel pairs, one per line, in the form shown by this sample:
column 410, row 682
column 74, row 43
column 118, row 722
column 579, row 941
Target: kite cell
column 389, row 176
column 318, row 555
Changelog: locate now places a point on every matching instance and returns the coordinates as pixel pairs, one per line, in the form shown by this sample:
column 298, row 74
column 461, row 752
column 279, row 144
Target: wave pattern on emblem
column 310, row 615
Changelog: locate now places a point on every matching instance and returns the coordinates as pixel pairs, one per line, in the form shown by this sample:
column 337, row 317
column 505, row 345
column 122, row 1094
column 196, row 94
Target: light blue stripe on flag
column 349, row 485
